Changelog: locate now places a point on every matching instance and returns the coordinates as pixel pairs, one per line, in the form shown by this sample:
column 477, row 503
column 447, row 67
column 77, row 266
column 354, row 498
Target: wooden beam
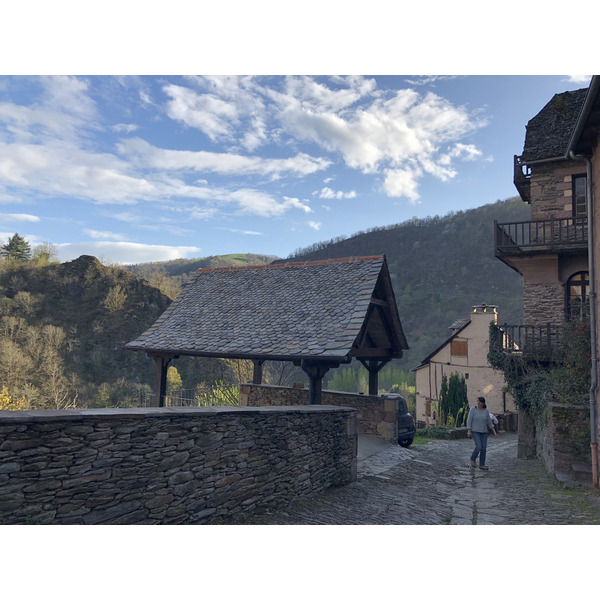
column 379, row 302
column 374, row 366
column 257, row 372
column 316, row 370
column 162, row 365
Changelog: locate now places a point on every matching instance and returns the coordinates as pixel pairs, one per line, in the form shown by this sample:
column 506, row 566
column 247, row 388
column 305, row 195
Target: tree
column 45, row 253
column 453, row 399
column 8, row 403
column 115, row 299
column 174, row 382
column 17, row 248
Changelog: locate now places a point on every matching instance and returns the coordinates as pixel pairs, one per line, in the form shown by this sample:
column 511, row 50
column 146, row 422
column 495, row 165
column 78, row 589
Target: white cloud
column 145, row 155
column 259, row 203
column 429, row 79
column 104, row 235
column 309, row 93
column 64, row 169
column 408, row 132
column 297, row 203
column 125, row 252
column 48, row 148
column 228, row 108
column 579, row 79
column 403, row 134
column 400, row 183
column 19, row 217
column 123, row 127
column 211, row 115
column 68, row 94
column 463, row 151
column 25, row 124
column 327, row 193
column 314, row 225
column 241, row 231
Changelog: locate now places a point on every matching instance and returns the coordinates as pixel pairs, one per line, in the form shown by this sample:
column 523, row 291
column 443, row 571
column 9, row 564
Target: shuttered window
column 459, row 348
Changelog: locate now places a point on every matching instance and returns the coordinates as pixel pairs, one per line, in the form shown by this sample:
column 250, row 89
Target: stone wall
column 544, row 303
column 376, row 415
column 551, row 189
column 168, row 465
column 563, row 444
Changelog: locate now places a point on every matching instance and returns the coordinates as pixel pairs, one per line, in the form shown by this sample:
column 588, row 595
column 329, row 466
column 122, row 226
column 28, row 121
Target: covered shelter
column 317, row 314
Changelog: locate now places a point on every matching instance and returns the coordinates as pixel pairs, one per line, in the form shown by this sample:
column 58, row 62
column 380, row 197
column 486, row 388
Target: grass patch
column 420, row 440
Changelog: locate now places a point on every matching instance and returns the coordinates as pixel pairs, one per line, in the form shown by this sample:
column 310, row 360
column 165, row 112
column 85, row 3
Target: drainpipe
column 592, row 296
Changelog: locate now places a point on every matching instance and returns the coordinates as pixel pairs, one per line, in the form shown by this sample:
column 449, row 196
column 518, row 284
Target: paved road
column 434, row 484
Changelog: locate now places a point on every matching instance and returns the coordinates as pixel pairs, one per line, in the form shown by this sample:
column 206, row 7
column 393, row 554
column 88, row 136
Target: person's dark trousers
column 480, row 440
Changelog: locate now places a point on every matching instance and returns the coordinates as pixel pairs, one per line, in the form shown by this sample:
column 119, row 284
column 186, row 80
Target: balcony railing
column 548, row 235
column 543, row 343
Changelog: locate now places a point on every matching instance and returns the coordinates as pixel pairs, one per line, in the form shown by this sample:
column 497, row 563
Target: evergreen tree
column 17, row 248
column 453, row 399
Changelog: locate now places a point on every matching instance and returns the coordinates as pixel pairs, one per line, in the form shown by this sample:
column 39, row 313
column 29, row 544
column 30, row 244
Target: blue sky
column 143, row 168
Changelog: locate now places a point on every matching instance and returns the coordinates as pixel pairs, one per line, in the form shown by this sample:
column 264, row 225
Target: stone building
column 464, row 352
column 583, row 148
column 554, row 252
column 549, row 250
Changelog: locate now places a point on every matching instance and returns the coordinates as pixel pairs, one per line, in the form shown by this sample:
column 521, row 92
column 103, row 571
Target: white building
column 464, row 352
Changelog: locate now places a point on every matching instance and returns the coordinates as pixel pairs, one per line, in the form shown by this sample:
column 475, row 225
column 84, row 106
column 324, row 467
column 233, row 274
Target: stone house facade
column 555, row 253
column 550, row 250
column 583, row 147
column 464, row 352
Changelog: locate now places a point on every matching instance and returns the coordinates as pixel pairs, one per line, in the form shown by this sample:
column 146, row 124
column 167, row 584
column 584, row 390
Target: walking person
column 479, row 422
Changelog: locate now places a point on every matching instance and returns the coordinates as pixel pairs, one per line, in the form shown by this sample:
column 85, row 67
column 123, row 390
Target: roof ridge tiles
column 307, row 263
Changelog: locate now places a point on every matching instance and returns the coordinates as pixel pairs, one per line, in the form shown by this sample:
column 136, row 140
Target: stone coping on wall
column 377, row 415
column 28, row 416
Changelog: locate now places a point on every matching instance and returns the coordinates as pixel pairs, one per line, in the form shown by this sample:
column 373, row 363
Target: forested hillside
column 63, row 326
column 170, row 276
column 440, row 267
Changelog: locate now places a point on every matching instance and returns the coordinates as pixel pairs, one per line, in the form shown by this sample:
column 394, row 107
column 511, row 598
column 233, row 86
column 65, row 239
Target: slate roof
column 454, row 335
column 549, row 132
column 280, row 311
column 583, row 140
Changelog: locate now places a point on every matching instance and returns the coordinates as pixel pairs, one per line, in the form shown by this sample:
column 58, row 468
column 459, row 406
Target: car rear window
column 402, row 408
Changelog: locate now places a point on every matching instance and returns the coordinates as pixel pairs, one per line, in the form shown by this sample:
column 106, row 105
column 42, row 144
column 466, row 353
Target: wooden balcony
column 542, row 343
column 546, row 236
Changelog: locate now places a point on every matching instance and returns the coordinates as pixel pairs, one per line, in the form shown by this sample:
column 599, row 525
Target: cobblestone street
column 434, row 484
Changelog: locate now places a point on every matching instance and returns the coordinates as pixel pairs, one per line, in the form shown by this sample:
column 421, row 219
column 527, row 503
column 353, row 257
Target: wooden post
column 316, row 371
column 258, row 371
column 374, row 366
column 162, row 365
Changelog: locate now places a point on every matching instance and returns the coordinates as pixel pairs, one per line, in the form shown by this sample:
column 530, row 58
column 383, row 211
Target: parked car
column 406, row 422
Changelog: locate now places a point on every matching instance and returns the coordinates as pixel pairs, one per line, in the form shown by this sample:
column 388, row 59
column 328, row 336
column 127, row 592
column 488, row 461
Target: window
column 458, row 348
column 578, row 300
column 579, row 191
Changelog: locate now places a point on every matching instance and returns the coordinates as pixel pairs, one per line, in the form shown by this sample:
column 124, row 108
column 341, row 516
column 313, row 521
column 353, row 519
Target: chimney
column 489, row 311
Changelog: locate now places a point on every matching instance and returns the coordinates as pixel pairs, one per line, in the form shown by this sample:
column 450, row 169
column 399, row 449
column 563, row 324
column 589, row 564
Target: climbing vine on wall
column 534, row 383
